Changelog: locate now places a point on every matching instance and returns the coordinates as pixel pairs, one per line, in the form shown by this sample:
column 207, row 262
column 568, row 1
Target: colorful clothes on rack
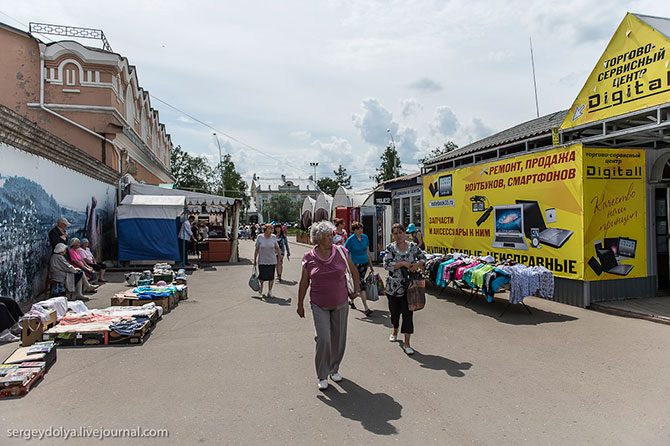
column 529, row 281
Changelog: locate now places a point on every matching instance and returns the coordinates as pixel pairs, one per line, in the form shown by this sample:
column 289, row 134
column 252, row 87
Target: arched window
column 71, row 74
column 666, row 171
column 660, row 171
column 130, row 105
column 143, row 124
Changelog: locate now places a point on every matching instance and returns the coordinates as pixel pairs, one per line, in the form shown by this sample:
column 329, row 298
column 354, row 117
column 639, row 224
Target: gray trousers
column 330, row 337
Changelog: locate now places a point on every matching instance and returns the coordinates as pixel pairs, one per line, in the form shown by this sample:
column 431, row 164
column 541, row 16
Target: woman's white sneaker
column 336, row 377
column 323, row 384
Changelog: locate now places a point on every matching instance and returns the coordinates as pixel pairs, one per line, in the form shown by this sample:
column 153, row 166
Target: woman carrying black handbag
column 403, row 259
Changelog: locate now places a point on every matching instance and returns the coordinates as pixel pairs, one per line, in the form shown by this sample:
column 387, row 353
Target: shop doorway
column 369, row 229
column 661, row 201
column 660, row 176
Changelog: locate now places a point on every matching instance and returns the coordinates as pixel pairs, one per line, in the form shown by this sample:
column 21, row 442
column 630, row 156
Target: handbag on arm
column 349, row 277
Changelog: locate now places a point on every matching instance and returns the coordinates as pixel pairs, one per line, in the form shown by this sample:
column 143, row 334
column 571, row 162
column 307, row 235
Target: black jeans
column 398, row 306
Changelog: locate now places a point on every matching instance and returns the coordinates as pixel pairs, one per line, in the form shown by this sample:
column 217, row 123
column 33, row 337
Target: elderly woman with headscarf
column 89, row 259
column 61, row 271
column 323, row 272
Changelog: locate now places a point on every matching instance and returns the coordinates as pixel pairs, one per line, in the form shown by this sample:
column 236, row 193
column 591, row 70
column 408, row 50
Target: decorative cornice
column 153, row 163
column 21, row 133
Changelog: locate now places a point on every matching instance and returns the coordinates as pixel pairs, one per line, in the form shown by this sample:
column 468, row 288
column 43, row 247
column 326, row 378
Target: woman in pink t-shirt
column 323, row 271
column 77, row 261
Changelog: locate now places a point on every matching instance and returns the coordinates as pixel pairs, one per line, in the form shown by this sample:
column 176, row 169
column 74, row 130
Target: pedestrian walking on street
column 340, row 235
column 402, row 259
column 415, row 235
column 358, row 246
column 324, row 270
column 265, row 255
column 282, row 241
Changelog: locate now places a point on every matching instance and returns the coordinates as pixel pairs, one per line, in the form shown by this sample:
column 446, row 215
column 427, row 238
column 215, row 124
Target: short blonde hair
column 320, row 229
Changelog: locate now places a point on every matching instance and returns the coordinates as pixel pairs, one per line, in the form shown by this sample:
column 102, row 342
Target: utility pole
column 220, row 162
column 532, row 62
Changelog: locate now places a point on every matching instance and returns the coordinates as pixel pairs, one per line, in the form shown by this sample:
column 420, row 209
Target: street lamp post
column 220, row 161
column 392, row 140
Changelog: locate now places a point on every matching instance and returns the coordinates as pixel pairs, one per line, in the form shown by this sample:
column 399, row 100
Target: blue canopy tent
column 146, row 227
column 196, row 202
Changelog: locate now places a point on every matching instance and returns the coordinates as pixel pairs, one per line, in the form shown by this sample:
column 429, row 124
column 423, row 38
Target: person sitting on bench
column 61, row 271
column 89, row 259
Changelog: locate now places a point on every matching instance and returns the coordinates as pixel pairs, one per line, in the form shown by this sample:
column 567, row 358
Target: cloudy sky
column 300, row 81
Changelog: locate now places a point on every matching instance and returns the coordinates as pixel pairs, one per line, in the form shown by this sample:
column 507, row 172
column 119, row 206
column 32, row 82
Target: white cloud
column 500, row 56
column 410, row 108
column 186, row 120
column 406, row 143
column 301, row 135
column 444, row 122
column 476, row 130
column 425, row 85
column 374, row 122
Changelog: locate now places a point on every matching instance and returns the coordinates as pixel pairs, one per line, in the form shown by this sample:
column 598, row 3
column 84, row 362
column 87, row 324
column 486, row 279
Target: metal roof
column 403, row 177
column 660, row 24
column 529, row 129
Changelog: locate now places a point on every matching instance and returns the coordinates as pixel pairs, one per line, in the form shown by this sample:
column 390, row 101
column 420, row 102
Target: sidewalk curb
column 630, row 314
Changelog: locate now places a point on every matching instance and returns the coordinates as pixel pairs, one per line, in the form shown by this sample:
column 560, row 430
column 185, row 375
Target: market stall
column 147, row 227
column 323, row 207
column 226, row 210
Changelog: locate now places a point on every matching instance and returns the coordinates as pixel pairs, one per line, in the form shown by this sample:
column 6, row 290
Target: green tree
column 282, row 208
column 390, row 165
column 190, row 172
column 328, row 185
column 228, row 182
column 437, row 151
column 342, row 178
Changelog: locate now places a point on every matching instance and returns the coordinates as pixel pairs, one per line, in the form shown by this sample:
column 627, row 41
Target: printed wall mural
column 34, row 192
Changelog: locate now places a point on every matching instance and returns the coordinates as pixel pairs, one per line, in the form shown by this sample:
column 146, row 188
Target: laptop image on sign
column 532, row 218
column 508, row 227
column 610, row 265
column 622, row 247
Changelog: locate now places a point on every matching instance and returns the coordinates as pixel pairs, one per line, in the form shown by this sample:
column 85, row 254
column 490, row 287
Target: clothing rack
column 457, row 270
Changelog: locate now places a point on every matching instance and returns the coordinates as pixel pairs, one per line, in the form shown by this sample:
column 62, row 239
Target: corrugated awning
column 192, row 198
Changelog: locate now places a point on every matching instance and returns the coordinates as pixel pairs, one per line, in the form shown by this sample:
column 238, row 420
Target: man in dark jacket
column 58, row 233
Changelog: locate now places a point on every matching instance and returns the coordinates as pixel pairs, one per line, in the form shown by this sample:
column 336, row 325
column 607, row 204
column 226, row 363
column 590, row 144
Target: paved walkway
column 654, row 309
column 227, row 368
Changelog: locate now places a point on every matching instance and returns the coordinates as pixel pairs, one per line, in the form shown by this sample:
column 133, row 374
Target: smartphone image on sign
column 595, row 266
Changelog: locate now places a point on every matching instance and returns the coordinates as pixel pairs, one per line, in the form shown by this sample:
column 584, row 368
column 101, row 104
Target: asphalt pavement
column 229, row 368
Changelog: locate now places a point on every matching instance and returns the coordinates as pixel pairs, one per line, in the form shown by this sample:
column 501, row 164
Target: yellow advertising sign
column 527, row 208
column 632, row 74
column 615, row 244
